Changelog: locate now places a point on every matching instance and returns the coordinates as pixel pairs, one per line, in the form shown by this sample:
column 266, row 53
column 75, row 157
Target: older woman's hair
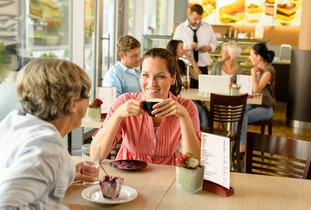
column 233, row 49
column 45, row 87
column 170, row 63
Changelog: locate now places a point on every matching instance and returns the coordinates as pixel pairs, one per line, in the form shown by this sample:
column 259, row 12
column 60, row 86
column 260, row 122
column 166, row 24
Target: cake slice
column 286, row 12
column 269, row 7
column 253, row 13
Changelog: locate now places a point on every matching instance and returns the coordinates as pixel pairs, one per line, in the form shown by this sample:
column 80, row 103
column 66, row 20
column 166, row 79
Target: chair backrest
column 227, row 109
column 277, row 156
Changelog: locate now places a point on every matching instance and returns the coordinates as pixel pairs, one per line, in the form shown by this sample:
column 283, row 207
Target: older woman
column 228, row 66
column 35, row 166
column 152, row 139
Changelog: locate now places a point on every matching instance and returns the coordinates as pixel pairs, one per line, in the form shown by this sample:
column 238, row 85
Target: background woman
column 263, row 80
column 152, row 139
column 228, row 66
column 177, row 48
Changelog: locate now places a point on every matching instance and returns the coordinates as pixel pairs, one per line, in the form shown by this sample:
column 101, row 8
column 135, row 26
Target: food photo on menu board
column 251, row 12
column 230, row 11
column 209, row 7
column 287, row 12
column 256, row 12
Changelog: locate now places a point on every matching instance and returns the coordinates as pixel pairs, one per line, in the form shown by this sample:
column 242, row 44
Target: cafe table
column 195, row 94
column 156, row 187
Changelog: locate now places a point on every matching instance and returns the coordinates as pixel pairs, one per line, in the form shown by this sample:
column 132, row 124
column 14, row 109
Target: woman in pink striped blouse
column 152, row 139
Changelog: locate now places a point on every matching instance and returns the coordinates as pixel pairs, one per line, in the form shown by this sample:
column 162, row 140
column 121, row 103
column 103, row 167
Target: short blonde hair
column 45, row 87
column 233, row 49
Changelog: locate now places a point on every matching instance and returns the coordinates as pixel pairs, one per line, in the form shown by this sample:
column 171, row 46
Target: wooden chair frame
column 277, row 156
column 263, row 124
column 227, row 109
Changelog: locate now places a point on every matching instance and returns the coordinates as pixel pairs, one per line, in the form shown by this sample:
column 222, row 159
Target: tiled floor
column 280, row 128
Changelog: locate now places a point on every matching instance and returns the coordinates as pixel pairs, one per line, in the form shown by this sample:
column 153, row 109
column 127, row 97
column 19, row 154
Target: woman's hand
column 189, row 57
column 130, row 108
column 255, row 70
column 80, row 175
column 258, row 86
column 168, row 107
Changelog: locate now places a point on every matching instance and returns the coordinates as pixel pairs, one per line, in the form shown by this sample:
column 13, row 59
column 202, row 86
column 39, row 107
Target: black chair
column 228, row 110
column 263, row 124
column 277, row 156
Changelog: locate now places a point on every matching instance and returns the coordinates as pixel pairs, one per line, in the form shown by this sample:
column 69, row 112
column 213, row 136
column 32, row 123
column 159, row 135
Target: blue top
column 123, row 79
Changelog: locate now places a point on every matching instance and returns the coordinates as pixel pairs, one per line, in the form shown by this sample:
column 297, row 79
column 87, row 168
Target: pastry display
column 285, row 13
column 269, row 7
column 253, row 13
column 232, row 12
column 111, row 186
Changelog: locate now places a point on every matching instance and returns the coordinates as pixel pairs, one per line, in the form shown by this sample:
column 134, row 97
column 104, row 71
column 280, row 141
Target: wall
column 277, row 35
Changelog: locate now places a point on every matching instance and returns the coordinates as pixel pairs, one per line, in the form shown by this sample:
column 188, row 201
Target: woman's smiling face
column 155, row 78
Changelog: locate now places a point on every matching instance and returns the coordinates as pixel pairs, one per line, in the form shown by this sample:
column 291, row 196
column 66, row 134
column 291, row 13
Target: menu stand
column 218, row 189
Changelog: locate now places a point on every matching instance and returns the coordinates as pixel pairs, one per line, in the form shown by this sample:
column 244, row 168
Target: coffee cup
column 148, row 104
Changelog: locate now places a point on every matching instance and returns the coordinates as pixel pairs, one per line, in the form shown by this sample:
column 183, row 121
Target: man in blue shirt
column 125, row 74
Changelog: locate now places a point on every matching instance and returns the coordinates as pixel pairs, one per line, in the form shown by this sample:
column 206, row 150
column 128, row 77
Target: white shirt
column 36, row 168
column 206, row 36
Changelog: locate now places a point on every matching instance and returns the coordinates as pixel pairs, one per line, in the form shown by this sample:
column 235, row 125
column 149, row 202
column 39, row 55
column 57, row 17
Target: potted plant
column 94, row 109
column 189, row 173
column 234, row 89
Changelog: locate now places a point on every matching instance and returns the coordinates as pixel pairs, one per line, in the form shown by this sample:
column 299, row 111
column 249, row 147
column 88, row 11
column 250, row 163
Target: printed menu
column 107, row 95
column 251, row 12
column 245, row 83
column 215, row 158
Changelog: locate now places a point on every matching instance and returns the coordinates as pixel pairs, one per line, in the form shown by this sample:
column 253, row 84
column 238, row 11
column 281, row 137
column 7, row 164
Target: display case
column 151, row 41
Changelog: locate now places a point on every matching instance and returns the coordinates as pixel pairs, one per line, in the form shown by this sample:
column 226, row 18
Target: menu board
column 251, row 12
column 215, row 157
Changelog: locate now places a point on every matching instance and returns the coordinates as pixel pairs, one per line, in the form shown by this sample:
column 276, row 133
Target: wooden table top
column 156, row 190
column 194, row 94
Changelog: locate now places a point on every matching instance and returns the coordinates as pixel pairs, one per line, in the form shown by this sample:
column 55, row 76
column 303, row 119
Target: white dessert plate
column 95, row 195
